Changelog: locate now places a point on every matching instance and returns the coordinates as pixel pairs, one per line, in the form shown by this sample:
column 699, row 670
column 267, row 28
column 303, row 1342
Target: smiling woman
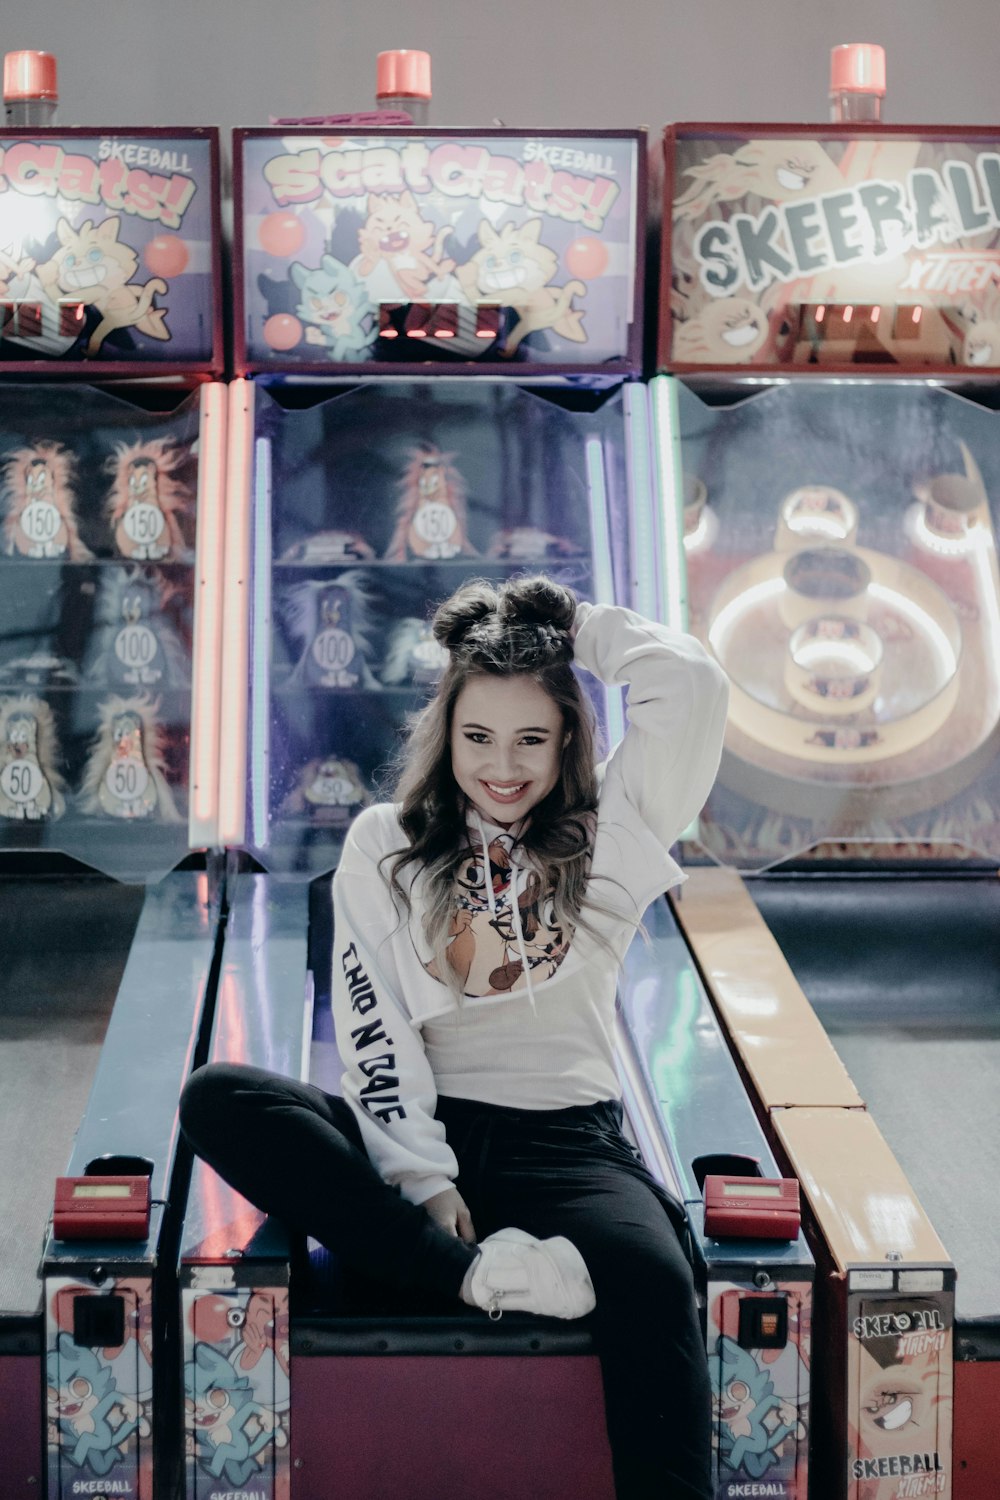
column 506, row 741
column 479, row 925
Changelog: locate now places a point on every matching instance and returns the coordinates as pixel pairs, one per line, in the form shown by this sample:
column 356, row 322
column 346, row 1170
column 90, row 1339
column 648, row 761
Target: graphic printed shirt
column 535, row 1026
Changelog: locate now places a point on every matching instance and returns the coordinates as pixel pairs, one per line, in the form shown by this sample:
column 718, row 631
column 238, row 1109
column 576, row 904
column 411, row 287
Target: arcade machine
column 111, row 523
column 829, row 473
column 511, row 262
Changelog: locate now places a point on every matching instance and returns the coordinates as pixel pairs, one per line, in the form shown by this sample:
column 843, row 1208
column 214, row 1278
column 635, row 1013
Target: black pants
column 296, row 1153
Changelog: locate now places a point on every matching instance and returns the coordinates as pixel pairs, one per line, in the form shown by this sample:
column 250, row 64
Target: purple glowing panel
column 109, row 247
column 500, row 252
column 491, row 1426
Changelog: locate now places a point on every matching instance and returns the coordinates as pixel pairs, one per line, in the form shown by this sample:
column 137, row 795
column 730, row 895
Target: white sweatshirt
column 535, row 1027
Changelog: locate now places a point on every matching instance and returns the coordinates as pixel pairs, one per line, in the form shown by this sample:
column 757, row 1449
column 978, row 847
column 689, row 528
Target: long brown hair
column 517, row 628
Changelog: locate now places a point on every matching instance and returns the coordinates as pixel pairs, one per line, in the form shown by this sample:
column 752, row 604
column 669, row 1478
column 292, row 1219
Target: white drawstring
column 515, row 871
column 487, row 877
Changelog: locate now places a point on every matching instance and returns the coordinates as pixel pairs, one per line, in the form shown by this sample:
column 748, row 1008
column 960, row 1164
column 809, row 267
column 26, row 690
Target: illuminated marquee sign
column 438, row 250
column 778, row 241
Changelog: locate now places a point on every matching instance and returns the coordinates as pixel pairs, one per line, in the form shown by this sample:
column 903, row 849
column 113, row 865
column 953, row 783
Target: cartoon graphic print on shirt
column 484, row 950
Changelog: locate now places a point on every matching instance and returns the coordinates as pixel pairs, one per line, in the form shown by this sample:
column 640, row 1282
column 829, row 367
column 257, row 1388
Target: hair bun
column 458, row 615
column 537, row 600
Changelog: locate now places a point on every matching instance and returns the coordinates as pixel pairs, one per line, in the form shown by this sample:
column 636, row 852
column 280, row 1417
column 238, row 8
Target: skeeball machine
column 502, row 261
column 829, row 515
column 112, row 451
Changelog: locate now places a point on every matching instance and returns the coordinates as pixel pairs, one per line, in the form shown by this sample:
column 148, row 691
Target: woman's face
column 507, row 739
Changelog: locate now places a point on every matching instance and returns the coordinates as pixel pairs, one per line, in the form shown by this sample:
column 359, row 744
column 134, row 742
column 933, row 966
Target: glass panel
column 378, row 504
column 96, row 623
column 842, row 565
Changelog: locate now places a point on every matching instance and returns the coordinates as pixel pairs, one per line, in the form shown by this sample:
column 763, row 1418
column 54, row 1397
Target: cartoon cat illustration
column 87, row 1415
column 229, row 1426
column 514, row 269
column 335, row 308
column 754, row 1421
column 400, row 252
column 93, row 267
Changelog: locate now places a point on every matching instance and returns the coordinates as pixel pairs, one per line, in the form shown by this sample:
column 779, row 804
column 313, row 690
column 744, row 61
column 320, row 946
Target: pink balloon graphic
column 167, row 255
column 208, row 1319
column 282, row 331
column 281, row 234
column 587, row 258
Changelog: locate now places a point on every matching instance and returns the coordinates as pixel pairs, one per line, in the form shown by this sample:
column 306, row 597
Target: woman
column 479, row 926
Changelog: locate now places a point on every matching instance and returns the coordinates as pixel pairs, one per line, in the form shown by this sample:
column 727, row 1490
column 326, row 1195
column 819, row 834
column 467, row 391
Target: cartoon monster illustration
column 148, row 498
column 230, row 1428
column 400, row 252
column 514, row 269
column 431, row 515
column 93, row 268
column 31, row 787
column 754, row 1421
column 334, row 306
column 125, row 775
column 330, row 790
column 895, row 1398
column 38, row 503
column 780, row 171
column 133, row 645
column 329, row 621
column 414, row 656
column 87, row 1416
column 528, row 544
column 729, row 331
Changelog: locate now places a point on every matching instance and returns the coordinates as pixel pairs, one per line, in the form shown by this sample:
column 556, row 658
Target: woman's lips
column 512, row 792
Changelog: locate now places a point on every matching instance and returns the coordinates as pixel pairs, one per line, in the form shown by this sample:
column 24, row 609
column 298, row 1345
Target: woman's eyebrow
column 525, row 728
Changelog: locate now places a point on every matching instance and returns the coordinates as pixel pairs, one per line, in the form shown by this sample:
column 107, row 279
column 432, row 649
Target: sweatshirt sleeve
column 676, row 706
column 387, row 1079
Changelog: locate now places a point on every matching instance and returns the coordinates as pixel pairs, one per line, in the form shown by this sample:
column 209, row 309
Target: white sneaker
column 518, row 1272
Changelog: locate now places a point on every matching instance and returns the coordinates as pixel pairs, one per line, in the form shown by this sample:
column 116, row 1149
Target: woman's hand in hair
column 448, row 1209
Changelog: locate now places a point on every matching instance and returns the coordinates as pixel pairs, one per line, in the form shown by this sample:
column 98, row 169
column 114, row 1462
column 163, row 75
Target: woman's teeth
column 505, row 793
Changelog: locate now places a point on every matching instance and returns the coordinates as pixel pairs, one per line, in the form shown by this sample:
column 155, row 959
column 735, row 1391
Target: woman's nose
column 506, row 762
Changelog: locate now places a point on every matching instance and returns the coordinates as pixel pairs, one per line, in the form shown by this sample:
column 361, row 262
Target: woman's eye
column 532, row 739
column 476, row 737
